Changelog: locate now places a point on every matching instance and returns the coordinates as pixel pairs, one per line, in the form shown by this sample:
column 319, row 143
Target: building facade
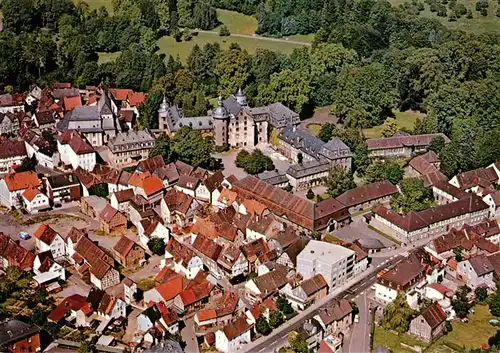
column 130, row 147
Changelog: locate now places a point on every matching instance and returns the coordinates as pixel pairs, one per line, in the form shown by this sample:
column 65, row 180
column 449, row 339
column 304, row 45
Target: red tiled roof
column 434, row 315
column 178, row 201
column 73, row 302
column 97, row 259
column 120, row 94
column 417, row 220
column 15, row 254
column 72, row 102
column 21, row 181
column 78, row 144
column 136, row 98
column 367, row 193
column 124, row 245
column 45, row 234
column 171, row 288
column 207, row 247
column 404, row 272
column 255, row 249
column 196, row 293
column 152, row 164
column 335, row 311
column 12, row 148
column 236, row 328
column 30, row 193
column 108, row 213
column 152, row 185
column 280, row 202
column 482, row 177
column 124, row 195
column 208, row 314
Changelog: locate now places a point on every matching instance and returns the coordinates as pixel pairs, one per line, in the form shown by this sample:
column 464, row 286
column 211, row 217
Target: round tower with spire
column 241, row 98
column 220, row 119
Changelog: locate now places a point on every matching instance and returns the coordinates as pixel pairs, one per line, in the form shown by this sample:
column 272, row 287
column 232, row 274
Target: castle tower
column 163, row 114
column 241, row 98
column 220, row 119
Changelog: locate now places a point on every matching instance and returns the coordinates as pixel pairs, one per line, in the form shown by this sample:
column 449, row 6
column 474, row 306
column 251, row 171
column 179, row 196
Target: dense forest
column 367, row 59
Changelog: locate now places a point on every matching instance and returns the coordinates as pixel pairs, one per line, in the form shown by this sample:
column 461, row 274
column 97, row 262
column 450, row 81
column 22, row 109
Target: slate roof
column 273, row 177
column 402, row 141
column 62, row 180
column 12, row 331
column 129, row 139
column 302, row 170
column 367, row 193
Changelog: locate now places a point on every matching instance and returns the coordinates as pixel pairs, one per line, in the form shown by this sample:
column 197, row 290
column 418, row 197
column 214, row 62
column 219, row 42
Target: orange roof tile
column 72, row 102
column 208, row 314
column 120, row 94
column 30, row 193
column 136, row 98
column 168, row 290
column 21, row 181
column 45, row 233
column 152, row 185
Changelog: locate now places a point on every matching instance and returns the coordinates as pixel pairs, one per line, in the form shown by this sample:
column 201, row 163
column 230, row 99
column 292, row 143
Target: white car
column 356, row 318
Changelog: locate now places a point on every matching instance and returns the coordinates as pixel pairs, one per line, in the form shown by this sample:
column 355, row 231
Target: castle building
column 172, row 119
column 237, row 125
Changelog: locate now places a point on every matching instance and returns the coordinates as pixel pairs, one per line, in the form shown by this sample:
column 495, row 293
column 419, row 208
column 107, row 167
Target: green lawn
column 474, row 333
column 107, row 57
column 393, row 341
column 237, row 22
column 169, row 46
column 471, row 335
column 405, row 119
column 95, row 4
column 478, row 24
column 314, row 128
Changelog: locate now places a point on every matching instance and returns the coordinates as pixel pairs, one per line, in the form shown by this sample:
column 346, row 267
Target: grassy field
column 95, row 4
column 237, row 22
column 471, row 335
column 474, row 333
column 169, row 46
column 478, row 24
column 314, row 128
column 405, row 119
column 107, row 57
column 393, row 341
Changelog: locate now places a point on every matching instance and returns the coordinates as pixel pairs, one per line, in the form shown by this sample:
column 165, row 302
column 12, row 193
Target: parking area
column 359, row 229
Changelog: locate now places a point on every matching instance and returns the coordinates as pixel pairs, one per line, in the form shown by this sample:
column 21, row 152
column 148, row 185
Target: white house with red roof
column 76, row 151
column 12, row 186
column 47, row 239
column 34, row 200
column 233, row 336
column 44, row 262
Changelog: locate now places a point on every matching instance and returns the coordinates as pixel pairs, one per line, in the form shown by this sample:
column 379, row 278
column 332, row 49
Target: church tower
column 163, row 114
column 220, row 119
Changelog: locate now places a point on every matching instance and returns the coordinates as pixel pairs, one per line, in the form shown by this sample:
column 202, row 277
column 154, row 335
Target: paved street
column 359, row 229
column 359, row 340
column 189, row 337
column 349, row 291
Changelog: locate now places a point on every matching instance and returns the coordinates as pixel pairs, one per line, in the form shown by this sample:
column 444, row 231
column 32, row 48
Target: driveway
column 228, row 159
column 189, row 337
column 151, row 268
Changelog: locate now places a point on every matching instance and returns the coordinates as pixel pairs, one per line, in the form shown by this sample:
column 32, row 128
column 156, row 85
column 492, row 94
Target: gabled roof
column 136, row 98
column 313, row 284
column 335, row 311
column 271, row 281
column 72, row 102
column 177, row 201
column 108, row 213
column 214, row 181
column 404, row 272
column 45, row 234
column 481, row 265
column 236, row 328
column 124, row 246
column 97, row 259
column 124, row 195
column 367, row 193
column 151, row 164
column 171, row 288
column 434, row 315
column 207, row 247
column 402, row 141
column 73, row 302
column 21, row 181
column 30, row 193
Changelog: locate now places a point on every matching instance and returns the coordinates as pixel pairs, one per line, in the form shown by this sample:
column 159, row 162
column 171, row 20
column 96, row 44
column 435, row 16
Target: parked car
column 24, row 235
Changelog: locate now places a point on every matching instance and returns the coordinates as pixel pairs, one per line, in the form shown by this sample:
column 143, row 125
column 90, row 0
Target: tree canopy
column 414, row 196
column 397, row 315
column 339, row 180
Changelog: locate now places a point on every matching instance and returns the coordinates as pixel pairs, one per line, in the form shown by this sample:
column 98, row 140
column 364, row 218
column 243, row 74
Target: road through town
column 349, row 290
